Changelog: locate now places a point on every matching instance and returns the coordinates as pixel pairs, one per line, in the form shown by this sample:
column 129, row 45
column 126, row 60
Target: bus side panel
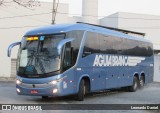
column 96, row 74
column 147, row 69
column 97, row 80
column 114, row 76
column 68, row 82
column 119, row 76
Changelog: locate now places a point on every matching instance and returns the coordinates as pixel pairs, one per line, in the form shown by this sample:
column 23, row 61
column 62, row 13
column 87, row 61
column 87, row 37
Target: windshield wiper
column 38, row 61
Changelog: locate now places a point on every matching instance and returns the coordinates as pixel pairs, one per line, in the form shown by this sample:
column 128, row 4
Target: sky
column 107, row 7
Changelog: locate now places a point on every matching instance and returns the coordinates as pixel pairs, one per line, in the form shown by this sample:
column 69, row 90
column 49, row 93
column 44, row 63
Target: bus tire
column 81, row 91
column 141, row 82
column 134, row 86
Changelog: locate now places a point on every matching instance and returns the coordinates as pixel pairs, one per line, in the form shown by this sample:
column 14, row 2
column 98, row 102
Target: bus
column 79, row 58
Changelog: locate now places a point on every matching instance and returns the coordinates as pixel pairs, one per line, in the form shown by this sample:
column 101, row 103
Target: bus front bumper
column 38, row 90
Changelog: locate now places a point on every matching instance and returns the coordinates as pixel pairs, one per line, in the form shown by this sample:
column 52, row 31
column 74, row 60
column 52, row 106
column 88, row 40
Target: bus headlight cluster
column 54, row 82
column 18, row 90
column 18, row 82
column 55, row 90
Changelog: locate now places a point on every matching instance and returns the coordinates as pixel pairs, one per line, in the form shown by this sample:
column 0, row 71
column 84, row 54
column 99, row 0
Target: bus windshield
column 39, row 55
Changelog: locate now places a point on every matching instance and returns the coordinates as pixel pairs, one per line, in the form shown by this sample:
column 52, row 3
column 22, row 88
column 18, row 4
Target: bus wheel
column 134, row 86
column 44, row 97
column 81, row 91
column 141, row 82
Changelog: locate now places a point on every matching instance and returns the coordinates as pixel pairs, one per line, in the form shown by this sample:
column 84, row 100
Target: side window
column 128, row 47
column 117, row 45
column 144, row 49
column 67, row 62
column 136, row 48
column 110, row 44
column 75, row 45
column 106, row 44
column 91, row 44
column 150, row 49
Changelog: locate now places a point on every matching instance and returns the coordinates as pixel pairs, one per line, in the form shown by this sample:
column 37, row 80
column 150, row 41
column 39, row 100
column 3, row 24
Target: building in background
column 16, row 20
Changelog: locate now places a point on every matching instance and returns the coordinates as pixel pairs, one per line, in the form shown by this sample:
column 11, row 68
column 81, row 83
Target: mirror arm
column 63, row 42
column 10, row 48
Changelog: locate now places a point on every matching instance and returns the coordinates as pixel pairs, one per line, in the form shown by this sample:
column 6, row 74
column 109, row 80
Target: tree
column 24, row 3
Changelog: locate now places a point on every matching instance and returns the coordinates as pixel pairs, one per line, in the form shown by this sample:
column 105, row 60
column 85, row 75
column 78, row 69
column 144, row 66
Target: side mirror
column 62, row 43
column 10, row 48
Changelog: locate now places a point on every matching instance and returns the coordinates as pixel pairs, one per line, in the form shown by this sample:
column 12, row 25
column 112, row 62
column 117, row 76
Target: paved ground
column 150, row 94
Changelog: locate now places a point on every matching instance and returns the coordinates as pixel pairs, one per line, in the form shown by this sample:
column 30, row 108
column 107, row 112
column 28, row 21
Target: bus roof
column 62, row 28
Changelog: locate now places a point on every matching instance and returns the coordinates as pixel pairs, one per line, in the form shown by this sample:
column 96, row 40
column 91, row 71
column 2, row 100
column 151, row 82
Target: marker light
column 18, row 90
column 18, row 81
column 31, row 38
column 55, row 90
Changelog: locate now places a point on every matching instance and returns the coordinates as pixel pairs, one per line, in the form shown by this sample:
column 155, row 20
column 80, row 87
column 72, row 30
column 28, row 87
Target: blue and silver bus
column 79, row 58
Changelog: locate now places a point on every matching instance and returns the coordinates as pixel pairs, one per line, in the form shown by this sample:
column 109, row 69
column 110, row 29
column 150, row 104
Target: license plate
column 34, row 91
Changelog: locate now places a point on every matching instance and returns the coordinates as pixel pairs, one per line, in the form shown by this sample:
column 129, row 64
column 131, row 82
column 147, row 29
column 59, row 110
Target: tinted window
column 75, row 45
column 117, row 45
column 136, row 48
column 91, row 44
column 105, row 44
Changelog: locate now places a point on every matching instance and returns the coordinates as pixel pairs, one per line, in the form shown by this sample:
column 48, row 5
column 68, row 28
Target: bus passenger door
column 68, row 83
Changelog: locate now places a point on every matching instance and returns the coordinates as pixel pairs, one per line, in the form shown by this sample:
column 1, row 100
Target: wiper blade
column 38, row 62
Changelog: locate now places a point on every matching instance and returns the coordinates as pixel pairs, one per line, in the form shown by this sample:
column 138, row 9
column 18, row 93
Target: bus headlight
column 18, row 90
column 18, row 82
column 54, row 82
column 55, row 90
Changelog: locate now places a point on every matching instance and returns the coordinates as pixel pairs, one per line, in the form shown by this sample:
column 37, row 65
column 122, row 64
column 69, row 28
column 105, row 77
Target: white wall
column 110, row 21
column 90, row 11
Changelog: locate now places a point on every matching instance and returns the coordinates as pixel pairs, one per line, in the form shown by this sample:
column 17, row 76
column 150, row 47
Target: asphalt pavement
column 150, row 94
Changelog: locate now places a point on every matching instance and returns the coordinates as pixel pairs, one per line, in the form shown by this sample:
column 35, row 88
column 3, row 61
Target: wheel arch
column 86, row 78
column 135, row 81
column 143, row 75
column 136, row 75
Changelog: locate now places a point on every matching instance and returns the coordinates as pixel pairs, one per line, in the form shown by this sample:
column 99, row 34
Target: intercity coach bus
column 79, row 58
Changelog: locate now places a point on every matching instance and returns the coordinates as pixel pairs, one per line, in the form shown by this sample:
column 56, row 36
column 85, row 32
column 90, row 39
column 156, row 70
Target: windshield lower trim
column 45, row 75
